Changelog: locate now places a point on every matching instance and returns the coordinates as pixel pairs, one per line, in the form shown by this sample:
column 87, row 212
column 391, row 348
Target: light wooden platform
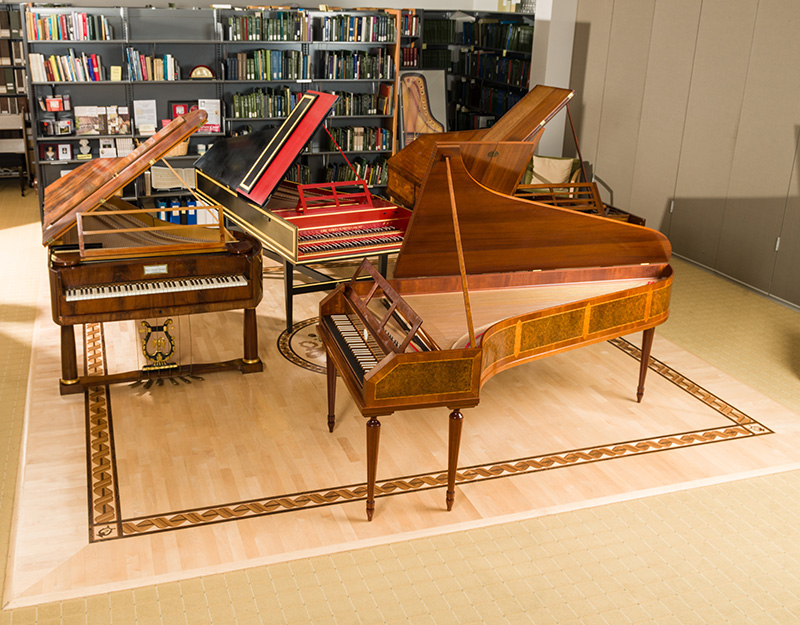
column 241, row 470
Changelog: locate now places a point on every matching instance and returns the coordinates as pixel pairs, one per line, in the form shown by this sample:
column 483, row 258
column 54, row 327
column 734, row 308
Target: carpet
column 127, row 486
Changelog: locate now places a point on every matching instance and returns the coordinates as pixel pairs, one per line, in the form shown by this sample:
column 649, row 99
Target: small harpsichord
column 300, row 225
column 484, row 281
column 110, row 261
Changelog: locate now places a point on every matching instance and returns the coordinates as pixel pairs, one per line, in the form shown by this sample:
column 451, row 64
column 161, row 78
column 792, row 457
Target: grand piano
column 484, row 281
column 110, row 261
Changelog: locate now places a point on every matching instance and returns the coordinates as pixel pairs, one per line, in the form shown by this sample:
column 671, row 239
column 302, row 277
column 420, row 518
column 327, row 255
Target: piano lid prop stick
column 460, row 253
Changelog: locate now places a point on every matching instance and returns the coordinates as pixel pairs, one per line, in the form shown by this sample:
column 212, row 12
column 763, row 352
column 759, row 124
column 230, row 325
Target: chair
column 13, row 148
column 563, row 182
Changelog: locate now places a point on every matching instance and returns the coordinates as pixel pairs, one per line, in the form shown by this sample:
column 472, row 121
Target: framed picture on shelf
column 48, row 152
column 65, row 151
column 178, row 108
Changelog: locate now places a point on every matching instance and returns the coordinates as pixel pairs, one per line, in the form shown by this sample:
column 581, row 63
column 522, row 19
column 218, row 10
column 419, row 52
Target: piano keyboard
column 156, row 286
column 358, row 346
column 339, row 241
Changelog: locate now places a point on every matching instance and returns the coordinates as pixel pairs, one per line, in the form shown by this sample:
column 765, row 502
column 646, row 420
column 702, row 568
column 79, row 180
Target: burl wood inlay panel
column 617, row 313
column 418, row 379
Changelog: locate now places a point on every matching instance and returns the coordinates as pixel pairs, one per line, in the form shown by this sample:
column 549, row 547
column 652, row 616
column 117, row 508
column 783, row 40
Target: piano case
column 111, row 261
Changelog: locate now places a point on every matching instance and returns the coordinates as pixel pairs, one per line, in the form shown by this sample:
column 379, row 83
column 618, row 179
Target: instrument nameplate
column 155, row 270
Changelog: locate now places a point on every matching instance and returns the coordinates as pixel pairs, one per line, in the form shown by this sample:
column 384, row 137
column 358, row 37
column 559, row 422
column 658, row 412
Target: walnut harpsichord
column 110, row 261
column 485, row 281
column 301, row 225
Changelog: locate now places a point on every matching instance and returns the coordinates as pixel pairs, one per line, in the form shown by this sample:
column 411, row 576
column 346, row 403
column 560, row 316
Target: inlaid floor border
column 104, row 509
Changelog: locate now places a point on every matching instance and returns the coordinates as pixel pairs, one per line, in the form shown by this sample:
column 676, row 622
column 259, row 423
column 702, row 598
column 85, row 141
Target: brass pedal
column 174, row 381
column 186, row 380
column 148, row 384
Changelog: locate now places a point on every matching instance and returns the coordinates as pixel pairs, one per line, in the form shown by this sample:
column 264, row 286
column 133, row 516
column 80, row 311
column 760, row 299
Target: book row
column 144, row 67
column 268, row 65
column 497, row 34
column 358, row 65
column 12, row 81
column 376, row 173
column 283, row 26
column 359, row 28
column 10, row 22
column 72, row 26
column 494, row 67
column 71, row 67
column 262, row 103
column 360, row 138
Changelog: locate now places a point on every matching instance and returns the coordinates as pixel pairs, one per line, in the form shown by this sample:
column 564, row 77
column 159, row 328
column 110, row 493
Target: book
column 87, row 120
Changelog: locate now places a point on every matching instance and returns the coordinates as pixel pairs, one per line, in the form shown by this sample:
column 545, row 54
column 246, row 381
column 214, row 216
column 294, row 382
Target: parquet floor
column 678, row 556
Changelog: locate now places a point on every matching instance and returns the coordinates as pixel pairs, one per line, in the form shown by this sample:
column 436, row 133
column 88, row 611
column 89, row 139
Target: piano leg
column 331, row 372
column 647, row 343
column 288, row 280
column 69, row 360
column 454, row 442
column 373, row 439
column 251, row 361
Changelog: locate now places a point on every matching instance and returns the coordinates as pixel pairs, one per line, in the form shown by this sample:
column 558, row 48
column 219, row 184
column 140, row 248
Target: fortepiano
column 484, row 281
column 110, row 261
column 299, row 225
column 498, row 157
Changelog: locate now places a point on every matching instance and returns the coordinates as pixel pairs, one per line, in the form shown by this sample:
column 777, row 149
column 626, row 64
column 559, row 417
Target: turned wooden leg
column 373, row 439
column 454, row 442
column 250, row 337
column 69, row 360
column 647, row 344
column 331, row 372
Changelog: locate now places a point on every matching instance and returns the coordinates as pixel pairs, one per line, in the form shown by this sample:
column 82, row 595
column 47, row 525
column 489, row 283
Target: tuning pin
column 148, row 384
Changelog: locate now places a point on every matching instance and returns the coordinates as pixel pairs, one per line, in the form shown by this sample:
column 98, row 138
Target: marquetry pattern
column 287, row 346
column 741, row 426
column 103, row 503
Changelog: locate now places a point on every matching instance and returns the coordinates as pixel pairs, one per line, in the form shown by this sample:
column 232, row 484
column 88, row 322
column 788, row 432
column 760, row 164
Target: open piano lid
column 87, row 187
column 254, row 165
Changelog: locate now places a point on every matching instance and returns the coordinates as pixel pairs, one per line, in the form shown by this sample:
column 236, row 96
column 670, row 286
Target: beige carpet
column 133, row 487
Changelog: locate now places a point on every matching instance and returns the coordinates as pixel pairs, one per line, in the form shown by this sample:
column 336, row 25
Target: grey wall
column 698, row 102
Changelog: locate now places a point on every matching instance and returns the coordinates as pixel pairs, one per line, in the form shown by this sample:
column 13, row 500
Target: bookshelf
column 488, row 57
column 13, row 92
column 271, row 56
column 252, row 63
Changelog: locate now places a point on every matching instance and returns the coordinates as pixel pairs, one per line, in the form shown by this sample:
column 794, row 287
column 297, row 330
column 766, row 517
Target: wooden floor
column 134, row 487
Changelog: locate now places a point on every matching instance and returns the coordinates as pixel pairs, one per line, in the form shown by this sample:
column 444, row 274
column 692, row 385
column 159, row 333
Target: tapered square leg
column 373, row 440
column 331, row 373
column 453, row 445
column 647, row 344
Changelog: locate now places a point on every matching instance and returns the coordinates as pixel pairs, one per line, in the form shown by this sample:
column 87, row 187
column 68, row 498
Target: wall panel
column 588, row 76
column 628, row 50
column 712, row 120
column 763, row 160
column 665, row 99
